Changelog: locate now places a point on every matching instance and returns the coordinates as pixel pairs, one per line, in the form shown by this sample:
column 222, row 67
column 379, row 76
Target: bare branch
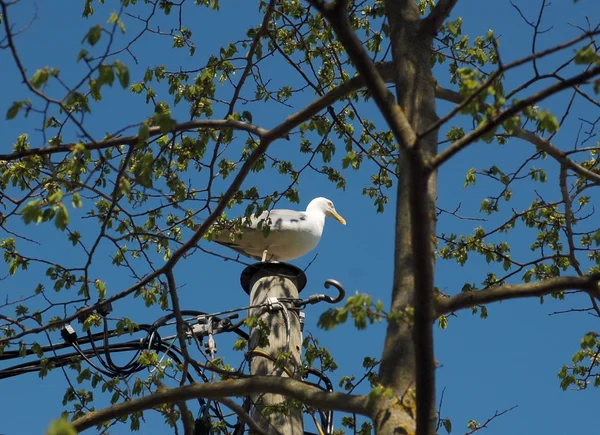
column 261, row 31
column 308, row 394
column 489, row 420
column 23, row 72
column 588, row 284
column 186, row 417
column 568, row 219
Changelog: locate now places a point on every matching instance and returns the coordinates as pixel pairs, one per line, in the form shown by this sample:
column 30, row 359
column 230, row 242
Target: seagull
column 290, row 234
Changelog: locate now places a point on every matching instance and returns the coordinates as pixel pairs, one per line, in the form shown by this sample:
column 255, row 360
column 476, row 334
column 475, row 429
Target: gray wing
column 253, row 235
column 279, row 219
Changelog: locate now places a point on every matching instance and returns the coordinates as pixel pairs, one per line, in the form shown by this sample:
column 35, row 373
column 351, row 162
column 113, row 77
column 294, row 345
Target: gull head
column 326, row 207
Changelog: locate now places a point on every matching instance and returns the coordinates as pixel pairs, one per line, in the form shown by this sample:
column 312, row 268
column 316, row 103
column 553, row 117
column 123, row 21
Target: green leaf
column 586, row 56
column 101, row 287
column 448, row 425
column 547, row 121
column 61, row 427
column 21, row 310
column 37, row 349
column 143, row 133
column 589, row 340
column 93, row 319
column 122, row 73
column 470, row 178
column 596, row 238
column 453, row 29
column 113, row 18
column 143, row 170
column 351, row 160
column 125, row 186
column 247, row 116
column 93, row 35
column 106, row 75
column 62, row 217
column 40, row 78
column 74, row 237
column 165, row 122
column 240, row 344
column 80, row 148
column 55, row 197
column 14, row 109
column 136, row 88
column 82, row 54
column 32, row 212
column 76, row 200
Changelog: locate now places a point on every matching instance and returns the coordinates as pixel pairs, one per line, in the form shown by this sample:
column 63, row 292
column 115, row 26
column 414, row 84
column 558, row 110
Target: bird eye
column 330, row 204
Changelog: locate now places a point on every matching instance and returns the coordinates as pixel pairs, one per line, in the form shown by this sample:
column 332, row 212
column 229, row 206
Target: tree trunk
column 415, row 228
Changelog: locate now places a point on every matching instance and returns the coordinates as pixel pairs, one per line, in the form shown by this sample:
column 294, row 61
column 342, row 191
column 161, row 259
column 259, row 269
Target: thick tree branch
column 497, row 120
column 588, row 284
column 337, row 15
column 540, row 142
column 438, row 15
column 216, row 124
column 386, row 70
column 307, row 394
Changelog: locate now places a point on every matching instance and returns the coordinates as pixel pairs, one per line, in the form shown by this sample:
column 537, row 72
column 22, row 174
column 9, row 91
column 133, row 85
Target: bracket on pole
column 281, row 269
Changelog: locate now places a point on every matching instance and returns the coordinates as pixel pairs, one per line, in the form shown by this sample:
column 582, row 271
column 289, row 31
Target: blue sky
column 487, row 365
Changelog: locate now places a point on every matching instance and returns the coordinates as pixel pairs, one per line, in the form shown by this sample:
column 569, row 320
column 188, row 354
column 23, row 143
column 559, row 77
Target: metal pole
column 264, row 282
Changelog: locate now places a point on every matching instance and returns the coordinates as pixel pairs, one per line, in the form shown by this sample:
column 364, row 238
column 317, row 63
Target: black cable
column 131, row 365
column 11, row 354
column 110, row 368
column 56, row 361
column 106, row 372
column 152, row 340
column 326, row 418
column 155, row 343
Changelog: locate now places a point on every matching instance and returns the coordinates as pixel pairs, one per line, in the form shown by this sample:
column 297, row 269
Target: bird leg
column 264, row 257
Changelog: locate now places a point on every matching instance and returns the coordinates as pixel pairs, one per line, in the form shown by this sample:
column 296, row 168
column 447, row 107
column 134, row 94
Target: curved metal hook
column 340, row 288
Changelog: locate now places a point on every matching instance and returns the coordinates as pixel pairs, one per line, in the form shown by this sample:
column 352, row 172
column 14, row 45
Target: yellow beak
column 337, row 217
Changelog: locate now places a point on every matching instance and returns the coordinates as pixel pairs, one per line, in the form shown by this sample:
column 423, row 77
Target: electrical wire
column 269, row 357
column 317, row 424
column 288, row 329
column 133, row 363
column 153, row 341
column 326, row 418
